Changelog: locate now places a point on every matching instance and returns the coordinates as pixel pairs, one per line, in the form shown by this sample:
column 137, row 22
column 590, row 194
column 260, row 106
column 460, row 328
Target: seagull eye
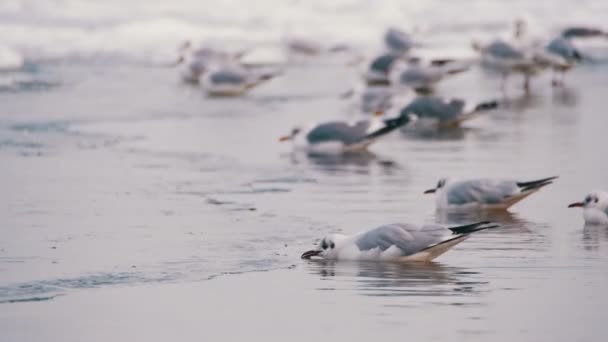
column 596, row 200
column 324, row 244
column 332, row 245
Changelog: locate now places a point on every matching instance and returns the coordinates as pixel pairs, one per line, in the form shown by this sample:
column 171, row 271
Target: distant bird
column 561, row 55
column 395, row 242
column 196, row 61
column 506, row 58
column 423, row 77
column 397, row 42
column 434, row 111
column 595, row 208
column 380, row 68
column 234, row 80
column 343, row 137
column 490, row 194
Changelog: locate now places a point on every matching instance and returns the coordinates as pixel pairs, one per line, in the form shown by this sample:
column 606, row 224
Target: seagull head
column 327, row 248
column 294, row 133
column 440, row 184
column 594, row 200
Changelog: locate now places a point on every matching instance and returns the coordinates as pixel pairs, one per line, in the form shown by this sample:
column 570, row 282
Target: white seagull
column 342, row 137
column 491, row 194
column 395, row 242
column 595, row 208
column 234, row 80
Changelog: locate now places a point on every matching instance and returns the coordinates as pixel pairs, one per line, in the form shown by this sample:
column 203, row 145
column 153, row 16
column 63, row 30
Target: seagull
column 343, row 137
column 434, row 111
column 561, row 54
column 491, row 194
column 423, row 78
column 507, row 58
column 595, row 208
column 197, row 61
column 380, row 68
column 395, row 242
column 397, row 41
column 233, row 80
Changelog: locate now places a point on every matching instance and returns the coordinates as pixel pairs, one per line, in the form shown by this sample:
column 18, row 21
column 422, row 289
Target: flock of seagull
column 389, row 80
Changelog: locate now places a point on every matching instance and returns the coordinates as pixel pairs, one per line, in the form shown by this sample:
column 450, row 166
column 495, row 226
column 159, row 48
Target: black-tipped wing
column 471, row 228
column 536, row 184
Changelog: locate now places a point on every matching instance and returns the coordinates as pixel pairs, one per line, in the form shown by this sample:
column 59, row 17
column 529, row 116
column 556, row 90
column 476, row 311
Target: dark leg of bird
column 527, row 83
column 554, row 80
column 503, row 82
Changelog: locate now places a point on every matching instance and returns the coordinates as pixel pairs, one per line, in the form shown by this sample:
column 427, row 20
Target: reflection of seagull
column 595, row 208
column 423, row 77
column 397, row 41
column 436, row 111
column 498, row 194
column 341, row 136
column 395, row 242
column 233, row 80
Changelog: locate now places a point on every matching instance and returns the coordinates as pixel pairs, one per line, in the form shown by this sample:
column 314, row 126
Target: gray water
column 135, row 208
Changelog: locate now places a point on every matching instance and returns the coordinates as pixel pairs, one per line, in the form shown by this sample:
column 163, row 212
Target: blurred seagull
column 423, row 77
column 342, row 137
column 438, row 112
column 196, row 61
column 395, row 242
column 498, row 194
column 234, row 80
column 595, row 208
column 506, row 58
column 560, row 54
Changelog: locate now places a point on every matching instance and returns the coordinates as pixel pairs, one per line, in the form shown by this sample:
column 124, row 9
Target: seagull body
column 195, row 62
column 342, row 137
column 435, row 111
column 423, row 78
column 490, row 194
column 595, row 208
column 233, row 80
column 396, row 242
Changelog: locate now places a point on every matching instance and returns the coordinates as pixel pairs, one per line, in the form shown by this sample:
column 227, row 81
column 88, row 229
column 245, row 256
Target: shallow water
column 136, row 208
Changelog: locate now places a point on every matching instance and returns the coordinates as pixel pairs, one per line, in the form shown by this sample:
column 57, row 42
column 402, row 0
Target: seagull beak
column 310, row 254
column 430, row 191
column 576, row 205
column 284, row 138
column 378, row 113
